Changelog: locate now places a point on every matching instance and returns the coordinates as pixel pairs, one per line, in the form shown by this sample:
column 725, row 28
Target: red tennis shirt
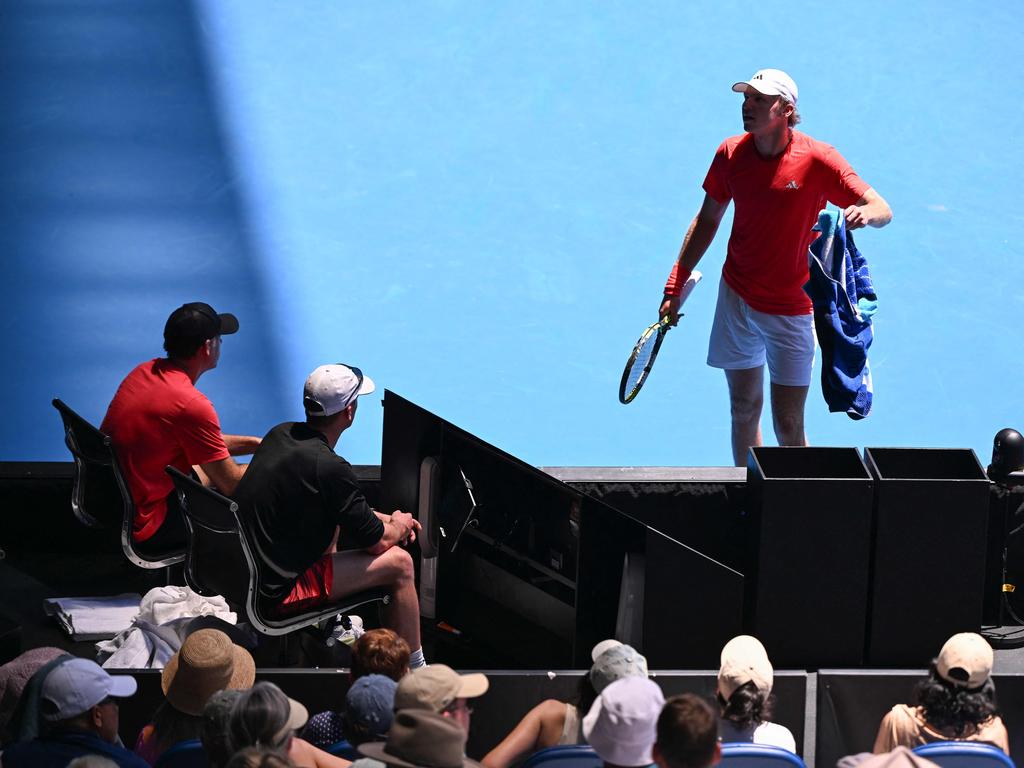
column 777, row 202
column 158, row 417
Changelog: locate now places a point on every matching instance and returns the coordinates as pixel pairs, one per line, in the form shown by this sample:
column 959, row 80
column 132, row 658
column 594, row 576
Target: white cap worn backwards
column 331, row 389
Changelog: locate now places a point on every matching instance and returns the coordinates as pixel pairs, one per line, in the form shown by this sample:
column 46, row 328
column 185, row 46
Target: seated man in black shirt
column 306, row 501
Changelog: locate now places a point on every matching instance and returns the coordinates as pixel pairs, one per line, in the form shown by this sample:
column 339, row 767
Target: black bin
column 808, row 554
column 928, row 566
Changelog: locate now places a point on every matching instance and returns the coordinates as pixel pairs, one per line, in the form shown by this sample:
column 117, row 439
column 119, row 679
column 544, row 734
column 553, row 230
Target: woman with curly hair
column 957, row 701
column 745, row 698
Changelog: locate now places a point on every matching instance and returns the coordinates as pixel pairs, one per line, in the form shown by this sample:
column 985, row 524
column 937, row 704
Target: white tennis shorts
column 742, row 338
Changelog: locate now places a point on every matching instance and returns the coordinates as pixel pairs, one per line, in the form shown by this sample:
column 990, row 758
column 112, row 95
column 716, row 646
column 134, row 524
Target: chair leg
column 282, row 654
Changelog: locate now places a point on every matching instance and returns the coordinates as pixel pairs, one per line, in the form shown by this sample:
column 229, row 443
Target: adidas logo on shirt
column 792, row 184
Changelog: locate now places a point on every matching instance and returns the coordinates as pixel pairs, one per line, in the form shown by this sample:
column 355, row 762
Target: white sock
column 416, row 659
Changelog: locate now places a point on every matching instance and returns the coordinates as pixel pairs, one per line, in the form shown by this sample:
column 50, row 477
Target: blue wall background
column 478, row 203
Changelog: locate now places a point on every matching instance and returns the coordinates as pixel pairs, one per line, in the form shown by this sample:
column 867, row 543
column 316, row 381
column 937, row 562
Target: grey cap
column 613, row 661
column 78, row 685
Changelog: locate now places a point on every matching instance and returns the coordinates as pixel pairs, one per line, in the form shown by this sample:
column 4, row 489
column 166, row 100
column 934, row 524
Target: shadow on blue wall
column 117, row 204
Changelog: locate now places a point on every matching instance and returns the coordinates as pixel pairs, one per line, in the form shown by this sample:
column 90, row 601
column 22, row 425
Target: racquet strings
column 638, row 370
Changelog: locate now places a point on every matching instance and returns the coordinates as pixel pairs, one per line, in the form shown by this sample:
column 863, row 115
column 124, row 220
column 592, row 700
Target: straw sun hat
column 207, row 662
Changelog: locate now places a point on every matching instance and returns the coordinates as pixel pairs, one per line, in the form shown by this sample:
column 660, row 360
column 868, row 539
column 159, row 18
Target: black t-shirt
column 296, row 491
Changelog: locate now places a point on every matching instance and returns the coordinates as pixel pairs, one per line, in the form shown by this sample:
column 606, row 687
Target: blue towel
column 844, row 302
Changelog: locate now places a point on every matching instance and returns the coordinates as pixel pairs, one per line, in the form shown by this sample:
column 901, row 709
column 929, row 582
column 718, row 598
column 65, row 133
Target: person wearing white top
column 745, row 696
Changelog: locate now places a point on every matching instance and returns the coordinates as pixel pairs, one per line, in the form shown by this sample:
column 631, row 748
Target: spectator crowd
column 67, row 712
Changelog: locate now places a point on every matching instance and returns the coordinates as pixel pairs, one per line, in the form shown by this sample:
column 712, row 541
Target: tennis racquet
column 644, row 353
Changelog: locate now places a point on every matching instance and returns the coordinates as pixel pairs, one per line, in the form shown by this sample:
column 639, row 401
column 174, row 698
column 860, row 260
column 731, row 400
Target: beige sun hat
column 206, row 663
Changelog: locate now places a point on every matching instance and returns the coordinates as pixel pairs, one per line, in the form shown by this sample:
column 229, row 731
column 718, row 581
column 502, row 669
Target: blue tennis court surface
column 478, row 204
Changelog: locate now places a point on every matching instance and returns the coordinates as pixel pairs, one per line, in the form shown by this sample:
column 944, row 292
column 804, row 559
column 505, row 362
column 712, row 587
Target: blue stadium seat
column 964, row 754
column 744, row 755
column 184, row 754
column 344, row 750
column 569, row 756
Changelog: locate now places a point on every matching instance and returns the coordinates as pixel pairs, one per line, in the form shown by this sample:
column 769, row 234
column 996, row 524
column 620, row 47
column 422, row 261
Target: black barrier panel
column 931, row 513
column 702, row 507
column 808, row 554
column 531, row 572
column 510, row 696
column 851, row 704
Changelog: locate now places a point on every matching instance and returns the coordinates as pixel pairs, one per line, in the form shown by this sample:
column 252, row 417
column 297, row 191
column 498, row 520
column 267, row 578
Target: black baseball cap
column 198, row 320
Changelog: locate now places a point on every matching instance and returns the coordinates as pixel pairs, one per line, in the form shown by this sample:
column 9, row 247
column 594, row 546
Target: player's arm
column 399, row 528
column 222, row 475
column 241, row 445
column 696, row 243
column 870, row 211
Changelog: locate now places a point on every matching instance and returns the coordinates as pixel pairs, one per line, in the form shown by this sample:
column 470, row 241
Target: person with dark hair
column 554, row 722
column 214, row 731
column 687, row 734
column 378, row 652
column 779, row 180
column 207, row 662
column 304, row 498
column 78, row 704
column 159, row 418
column 956, row 702
column 745, row 680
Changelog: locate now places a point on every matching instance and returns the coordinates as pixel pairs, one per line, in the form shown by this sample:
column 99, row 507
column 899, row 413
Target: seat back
column 568, row 756
column 344, row 750
column 744, row 755
column 214, row 561
column 184, row 754
column 96, row 497
column 100, row 494
column 964, row 754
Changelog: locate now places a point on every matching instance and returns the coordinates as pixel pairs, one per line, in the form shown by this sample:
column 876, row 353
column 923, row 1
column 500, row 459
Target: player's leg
column 746, row 399
column 789, row 343
column 737, row 347
column 355, row 571
column 788, row 413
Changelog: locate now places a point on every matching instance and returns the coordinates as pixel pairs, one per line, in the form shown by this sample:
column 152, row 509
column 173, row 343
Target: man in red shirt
column 158, row 417
column 779, row 179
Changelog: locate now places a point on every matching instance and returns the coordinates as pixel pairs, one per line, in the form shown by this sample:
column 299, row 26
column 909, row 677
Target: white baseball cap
column 331, row 389
column 621, row 724
column 770, row 82
column 965, row 660
column 744, row 660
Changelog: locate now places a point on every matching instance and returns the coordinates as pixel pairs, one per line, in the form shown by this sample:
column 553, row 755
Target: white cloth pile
column 158, row 629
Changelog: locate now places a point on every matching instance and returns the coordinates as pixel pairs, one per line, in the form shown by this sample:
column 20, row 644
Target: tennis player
column 779, row 179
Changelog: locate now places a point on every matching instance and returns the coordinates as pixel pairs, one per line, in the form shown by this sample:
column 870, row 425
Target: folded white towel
column 93, row 618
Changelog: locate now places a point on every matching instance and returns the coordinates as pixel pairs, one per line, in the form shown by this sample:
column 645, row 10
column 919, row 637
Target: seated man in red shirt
column 158, row 417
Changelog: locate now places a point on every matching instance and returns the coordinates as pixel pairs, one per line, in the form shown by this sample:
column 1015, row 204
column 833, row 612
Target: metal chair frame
column 190, row 494
column 92, row 448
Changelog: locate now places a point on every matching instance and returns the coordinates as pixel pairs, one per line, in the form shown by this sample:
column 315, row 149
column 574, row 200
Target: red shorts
column 312, row 587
